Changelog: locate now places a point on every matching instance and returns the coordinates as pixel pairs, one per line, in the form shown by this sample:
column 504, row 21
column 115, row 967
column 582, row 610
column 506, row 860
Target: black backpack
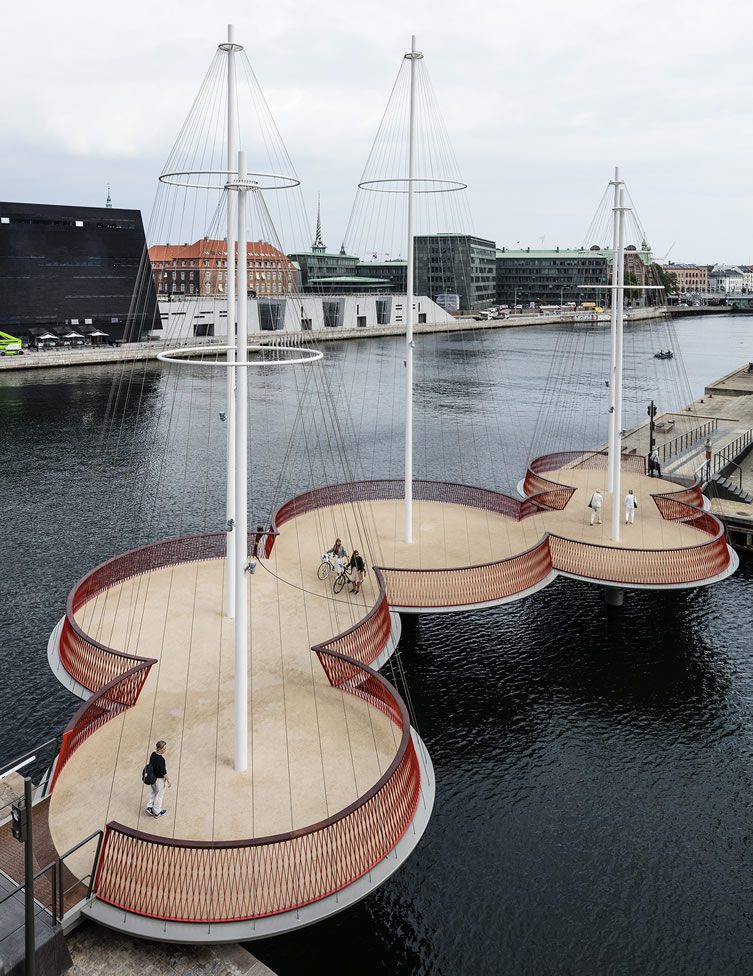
column 148, row 776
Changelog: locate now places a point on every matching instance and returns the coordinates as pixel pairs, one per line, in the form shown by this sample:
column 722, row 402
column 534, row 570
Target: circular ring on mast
column 274, row 181
column 228, row 46
column 401, row 185
column 183, row 356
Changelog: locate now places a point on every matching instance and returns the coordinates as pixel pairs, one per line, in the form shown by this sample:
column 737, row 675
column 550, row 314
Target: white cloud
column 541, row 98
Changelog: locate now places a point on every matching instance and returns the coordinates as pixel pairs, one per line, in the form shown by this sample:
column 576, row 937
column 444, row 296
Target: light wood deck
column 448, row 535
column 313, row 750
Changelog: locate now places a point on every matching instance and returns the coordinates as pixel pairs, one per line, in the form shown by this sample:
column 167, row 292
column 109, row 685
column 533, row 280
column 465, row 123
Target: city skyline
column 539, row 121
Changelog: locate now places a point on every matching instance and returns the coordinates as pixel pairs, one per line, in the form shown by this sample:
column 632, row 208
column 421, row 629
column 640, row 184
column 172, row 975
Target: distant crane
column 662, row 260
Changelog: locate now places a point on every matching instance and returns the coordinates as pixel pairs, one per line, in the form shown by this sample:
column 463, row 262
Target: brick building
column 201, row 269
column 689, row 277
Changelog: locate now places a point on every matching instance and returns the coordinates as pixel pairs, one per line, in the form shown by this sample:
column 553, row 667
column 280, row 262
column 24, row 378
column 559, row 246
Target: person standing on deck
column 357, row 568
column 595, row 504
column 631, row 503
column 158, row 764
column 654, row 464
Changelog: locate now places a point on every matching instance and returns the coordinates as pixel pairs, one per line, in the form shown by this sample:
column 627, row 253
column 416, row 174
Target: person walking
column 158, row 764
column 631, row 504
column 596, row 504
column 654, row 464
column 357, row 568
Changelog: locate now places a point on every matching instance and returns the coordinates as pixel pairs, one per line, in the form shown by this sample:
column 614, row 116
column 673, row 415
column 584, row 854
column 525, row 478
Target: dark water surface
column 594, row 770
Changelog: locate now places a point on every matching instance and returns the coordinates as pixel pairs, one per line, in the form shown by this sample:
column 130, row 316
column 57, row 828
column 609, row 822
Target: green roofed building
column 563, row 275
column 347, row 284
column 552, row 277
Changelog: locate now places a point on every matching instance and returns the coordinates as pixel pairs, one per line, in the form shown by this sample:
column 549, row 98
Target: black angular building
column 82, row 267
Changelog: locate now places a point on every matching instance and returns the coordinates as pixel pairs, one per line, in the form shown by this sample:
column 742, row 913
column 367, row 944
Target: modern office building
column 75, row 270
column 552, row 277
column 394, row 272
column 201, row 269
column 456, row 263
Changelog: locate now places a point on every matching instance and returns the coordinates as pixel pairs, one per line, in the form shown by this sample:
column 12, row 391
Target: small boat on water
column 664, row 354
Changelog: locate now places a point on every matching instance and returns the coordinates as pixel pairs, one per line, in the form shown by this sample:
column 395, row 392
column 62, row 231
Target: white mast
column 230, row 47
column 412, row 56
column 241, row 482
column 613, row 332
column 618, row 273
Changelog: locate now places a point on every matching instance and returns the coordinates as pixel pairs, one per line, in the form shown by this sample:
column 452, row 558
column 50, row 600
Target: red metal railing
column 365, row 641
column 648, row 567
column 93, row 664
column 574, row 460
column 551, row 496
column 118, row 695
column 469, row 585
column 491, row 582
column 221, row 881
column 224, row 881
column 691, row 496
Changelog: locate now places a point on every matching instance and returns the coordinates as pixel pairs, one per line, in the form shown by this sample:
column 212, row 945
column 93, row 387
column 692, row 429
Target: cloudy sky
column 542, row 99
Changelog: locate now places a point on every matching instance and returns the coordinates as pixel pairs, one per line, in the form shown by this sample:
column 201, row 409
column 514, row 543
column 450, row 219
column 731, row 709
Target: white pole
column 409, row 344
column 619, row 259
column 613, row 331
column 241, row 484
column 230, row 322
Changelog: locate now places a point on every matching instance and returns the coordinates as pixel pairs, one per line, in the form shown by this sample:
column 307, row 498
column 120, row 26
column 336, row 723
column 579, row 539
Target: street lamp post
column 21, row 828
column 651, row 427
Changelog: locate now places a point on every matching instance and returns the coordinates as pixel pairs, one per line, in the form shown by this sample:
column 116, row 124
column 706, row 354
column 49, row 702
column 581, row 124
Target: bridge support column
column 613, row 597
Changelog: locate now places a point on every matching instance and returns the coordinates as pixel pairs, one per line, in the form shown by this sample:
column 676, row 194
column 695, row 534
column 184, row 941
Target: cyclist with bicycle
column 339, row 553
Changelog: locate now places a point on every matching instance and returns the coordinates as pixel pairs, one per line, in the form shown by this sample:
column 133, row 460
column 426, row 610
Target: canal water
column 594, row 769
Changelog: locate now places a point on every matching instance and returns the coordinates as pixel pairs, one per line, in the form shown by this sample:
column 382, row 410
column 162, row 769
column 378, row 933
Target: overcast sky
column 543, row 99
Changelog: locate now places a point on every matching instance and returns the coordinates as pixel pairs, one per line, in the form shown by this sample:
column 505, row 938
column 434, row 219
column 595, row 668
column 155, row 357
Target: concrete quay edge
column 134, row 352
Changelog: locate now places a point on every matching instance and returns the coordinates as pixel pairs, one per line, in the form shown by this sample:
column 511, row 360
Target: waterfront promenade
column 136, row 351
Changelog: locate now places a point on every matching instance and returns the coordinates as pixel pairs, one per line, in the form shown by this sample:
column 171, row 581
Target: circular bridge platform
column 339, row 787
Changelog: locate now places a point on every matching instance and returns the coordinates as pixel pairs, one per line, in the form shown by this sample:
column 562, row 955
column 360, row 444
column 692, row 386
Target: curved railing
column 213, row 881
column 389, row 489
column 469, row 585
column 260, row 876
column 366, row 640
column 115, row 678
column 251, row 878
column 691, row 495
column 93, row 664
column 649, row 567
column 116, row 696
column 492, row 582
column 575, row 460
column 551, row 496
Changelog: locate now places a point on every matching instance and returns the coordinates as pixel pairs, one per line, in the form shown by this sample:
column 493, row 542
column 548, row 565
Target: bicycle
column 329, row 564
column 341, row 580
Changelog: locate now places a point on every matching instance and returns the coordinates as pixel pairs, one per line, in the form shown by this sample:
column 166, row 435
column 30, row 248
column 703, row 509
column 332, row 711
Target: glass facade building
column 456, row 263
column 552, row 277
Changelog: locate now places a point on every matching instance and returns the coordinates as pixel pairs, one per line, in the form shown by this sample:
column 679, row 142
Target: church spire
column 318, row 245
column 109, row 200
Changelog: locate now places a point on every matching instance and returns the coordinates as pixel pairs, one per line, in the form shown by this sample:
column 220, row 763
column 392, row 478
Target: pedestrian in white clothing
column 631, row 503
column 595, row 504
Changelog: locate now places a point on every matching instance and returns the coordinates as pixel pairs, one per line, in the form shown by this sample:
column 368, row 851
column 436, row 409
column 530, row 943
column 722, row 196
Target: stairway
column 725, row 488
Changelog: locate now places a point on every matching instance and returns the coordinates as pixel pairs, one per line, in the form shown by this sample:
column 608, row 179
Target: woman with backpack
column 160, row 780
